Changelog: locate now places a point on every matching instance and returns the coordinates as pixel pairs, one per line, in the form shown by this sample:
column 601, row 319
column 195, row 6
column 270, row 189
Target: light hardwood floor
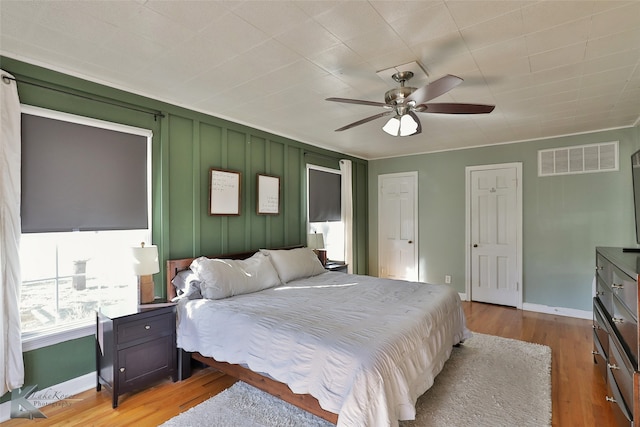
column 578, row 390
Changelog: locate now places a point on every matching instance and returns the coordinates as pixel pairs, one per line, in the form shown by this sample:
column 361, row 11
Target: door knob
column 410, row 241
column 475, row 245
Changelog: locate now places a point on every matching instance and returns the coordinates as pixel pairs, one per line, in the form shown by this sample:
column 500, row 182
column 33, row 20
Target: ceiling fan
column 405, row 102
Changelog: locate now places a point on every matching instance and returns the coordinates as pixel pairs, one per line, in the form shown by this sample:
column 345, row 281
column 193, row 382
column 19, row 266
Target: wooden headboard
column 176, row 265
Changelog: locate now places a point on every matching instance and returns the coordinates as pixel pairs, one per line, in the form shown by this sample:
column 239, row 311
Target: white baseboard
column 560, row 311
column 539, row 308
column 53, row 394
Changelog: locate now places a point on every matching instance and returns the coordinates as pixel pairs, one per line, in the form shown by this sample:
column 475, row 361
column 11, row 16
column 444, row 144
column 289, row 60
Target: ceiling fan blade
column 435, row 89
column 454, row 108
column 415, row 117
column 365, row 120
column 359, row 101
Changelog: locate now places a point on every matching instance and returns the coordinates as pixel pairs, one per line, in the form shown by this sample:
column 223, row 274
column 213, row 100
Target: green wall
column 564, row 217
column 186, row 144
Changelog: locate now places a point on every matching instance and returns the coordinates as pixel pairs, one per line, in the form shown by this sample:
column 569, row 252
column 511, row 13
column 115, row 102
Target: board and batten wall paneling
column 181, row 189
column 212, row 229
column 360, row 234
column 257, row 228
column 275, row 226
column 293, row 200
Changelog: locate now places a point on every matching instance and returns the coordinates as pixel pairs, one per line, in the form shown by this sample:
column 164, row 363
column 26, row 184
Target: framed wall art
column 224, row 192
column 268, row 195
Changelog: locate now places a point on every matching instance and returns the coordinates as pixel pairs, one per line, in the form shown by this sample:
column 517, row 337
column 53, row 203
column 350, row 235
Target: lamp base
column 146, row 289
column 322, row 255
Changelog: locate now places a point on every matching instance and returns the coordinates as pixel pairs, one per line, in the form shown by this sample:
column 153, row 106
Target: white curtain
column 347, row 211
column 12, row 374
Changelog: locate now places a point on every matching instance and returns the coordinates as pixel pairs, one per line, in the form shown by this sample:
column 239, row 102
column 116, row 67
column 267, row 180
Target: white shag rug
column 488, row 381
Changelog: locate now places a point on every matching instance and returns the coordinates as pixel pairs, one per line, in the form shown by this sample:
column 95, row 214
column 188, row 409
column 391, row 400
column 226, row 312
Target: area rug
column 488, row 381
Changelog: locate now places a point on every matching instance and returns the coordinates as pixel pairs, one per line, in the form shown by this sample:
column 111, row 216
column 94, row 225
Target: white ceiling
column 550, row 67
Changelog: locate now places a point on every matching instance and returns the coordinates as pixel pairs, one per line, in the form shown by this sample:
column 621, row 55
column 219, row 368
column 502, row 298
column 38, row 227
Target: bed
column 354, row 350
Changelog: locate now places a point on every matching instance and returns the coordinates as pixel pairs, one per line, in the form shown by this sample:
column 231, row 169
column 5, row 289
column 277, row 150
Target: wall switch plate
column 447, row 279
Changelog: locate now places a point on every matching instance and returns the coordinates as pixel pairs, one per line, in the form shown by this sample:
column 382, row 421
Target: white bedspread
column 365, row 347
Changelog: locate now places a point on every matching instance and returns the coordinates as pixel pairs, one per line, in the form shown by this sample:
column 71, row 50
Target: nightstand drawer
column 142, row 329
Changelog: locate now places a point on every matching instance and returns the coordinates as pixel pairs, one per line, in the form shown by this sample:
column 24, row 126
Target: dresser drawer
column 604, row 269
column 621, row 412
column 145, row 329
column 599, row 356
column 626, row 289
column 604, row 294
column 627, row 328
column 622, row 370
column 600, row 329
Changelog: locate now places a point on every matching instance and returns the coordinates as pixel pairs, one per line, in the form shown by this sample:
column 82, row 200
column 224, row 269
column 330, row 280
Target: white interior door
column 397, row 226
column 494, row 232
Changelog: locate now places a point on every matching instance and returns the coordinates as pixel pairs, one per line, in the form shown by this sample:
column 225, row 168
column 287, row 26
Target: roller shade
column 77, row 177
column 324, row 196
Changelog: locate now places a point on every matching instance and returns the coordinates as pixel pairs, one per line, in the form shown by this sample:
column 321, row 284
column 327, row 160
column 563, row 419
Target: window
column 324, row 200
column 85, row 203
column 67, row 276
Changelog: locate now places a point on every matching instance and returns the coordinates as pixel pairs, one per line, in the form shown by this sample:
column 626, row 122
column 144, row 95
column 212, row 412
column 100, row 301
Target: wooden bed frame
column 271, row 386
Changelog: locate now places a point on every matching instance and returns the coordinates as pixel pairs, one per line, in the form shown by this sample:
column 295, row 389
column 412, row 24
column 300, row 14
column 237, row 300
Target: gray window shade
column 324, row 196
column 80, row 177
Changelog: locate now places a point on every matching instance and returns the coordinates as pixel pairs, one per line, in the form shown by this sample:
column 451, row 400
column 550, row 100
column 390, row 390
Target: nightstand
column 135, row 347
column 336, row 266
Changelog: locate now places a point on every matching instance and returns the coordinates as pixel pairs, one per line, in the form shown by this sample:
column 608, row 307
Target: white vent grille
column 590, row 158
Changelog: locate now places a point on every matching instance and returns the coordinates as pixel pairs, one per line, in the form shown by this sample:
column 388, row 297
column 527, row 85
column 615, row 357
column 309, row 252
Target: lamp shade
column 145, row 260
column 404, row 125
column 315, row 241
column 392, row 126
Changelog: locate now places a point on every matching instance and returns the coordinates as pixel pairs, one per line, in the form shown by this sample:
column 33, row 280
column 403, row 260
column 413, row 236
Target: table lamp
column 315, row 241
column 145, row 264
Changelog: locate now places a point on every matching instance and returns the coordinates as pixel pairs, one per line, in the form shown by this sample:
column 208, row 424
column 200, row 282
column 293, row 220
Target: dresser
column 135, row 347
column 616, row 336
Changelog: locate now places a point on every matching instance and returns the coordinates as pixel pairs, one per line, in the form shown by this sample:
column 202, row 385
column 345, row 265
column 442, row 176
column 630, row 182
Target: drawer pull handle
column 613, row 367
column 617, row 320
column 121, row 369
column 147, row 327
column 610, row 399
column 616, row 286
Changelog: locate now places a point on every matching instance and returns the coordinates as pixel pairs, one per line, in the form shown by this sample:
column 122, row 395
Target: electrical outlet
column 447, row 279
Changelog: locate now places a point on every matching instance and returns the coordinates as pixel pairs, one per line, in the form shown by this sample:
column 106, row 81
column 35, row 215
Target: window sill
column 36, row 340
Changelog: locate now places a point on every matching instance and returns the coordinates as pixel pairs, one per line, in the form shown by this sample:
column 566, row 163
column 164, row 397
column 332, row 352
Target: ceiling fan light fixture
column 404, row 125
column 406, row 101
column 392, row 127
column 408, row 125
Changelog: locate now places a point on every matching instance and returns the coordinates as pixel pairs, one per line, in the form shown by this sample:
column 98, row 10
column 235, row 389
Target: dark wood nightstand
column 135, row 347
column 336, row 266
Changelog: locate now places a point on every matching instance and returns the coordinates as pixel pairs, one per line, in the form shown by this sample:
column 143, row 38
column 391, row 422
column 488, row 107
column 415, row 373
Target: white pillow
column 292, row 264
column 222, row 278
